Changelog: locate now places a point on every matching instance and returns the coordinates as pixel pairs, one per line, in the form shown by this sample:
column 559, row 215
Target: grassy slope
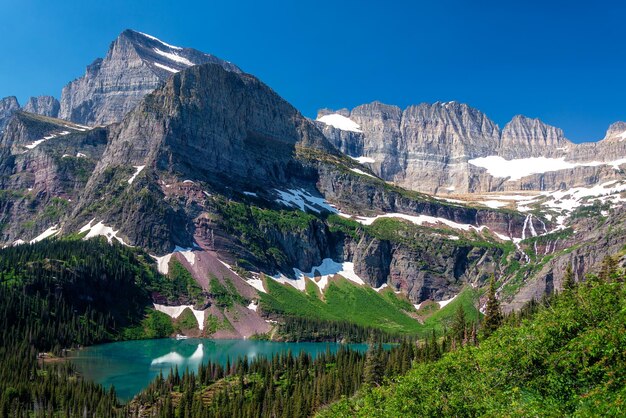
column 361, row 305
column 567, row 360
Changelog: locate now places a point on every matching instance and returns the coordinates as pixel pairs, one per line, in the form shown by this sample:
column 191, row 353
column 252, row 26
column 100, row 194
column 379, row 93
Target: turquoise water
column 131, row 365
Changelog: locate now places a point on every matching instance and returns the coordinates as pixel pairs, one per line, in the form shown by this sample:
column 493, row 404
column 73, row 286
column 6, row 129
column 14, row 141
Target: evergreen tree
column 568, row 279
column 608, row 271
column 459, row 327
column 493, row 314
column 374, row 369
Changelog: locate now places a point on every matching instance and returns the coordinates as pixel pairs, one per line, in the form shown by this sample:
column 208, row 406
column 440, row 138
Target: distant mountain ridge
column 430, row 147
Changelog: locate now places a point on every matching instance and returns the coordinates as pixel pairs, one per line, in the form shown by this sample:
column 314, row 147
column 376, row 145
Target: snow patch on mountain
column 356, row 170
column 303, row 200
column 176, row 311
column 174, row 57
column 163, row 262
column 100, row 229
column 443, row 303
column 320, row 275
column 50, row 232
column 165, row 67
column 160, row 41
column 138, row 169
column 519, row 168
column 364, row 160
column 341, row 122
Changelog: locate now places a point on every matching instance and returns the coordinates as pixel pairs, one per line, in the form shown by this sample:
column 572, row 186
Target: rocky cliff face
column 44, row 163
column 134, row 66
column 430, row 148
column 524, row 137
column 43, row 105
column 8, row 106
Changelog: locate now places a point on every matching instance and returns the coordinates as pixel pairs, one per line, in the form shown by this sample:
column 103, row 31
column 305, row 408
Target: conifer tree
column 374, row 369
column 459, row 326
column 493, row 314
column 568, row 279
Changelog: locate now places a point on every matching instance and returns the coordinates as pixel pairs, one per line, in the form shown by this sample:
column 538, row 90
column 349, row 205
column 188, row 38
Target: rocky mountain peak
column 134, row 66
column 43, row 105
column 450, row 123
column 8, row 106
column 524, row 136
column 616, row 132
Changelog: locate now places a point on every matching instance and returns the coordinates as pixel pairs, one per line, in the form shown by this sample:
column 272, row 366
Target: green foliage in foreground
column 569, row 359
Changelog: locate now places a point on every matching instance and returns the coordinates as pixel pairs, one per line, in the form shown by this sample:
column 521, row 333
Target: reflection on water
column 177, row 359
column 131, row 365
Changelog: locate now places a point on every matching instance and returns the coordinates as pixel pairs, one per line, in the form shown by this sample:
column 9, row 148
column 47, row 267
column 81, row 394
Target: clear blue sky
column 564, row 62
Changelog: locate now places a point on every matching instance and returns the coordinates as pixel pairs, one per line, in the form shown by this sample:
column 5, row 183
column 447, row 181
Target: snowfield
column 364, row 160
column 164, row 261
column 50, row 232
column 175, row 311
column 519, row 168
column 303, row 200
column 101, row 229
column 320, row 275
column 341, row 122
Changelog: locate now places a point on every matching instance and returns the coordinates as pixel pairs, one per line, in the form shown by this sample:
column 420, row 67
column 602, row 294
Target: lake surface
column 131, row 365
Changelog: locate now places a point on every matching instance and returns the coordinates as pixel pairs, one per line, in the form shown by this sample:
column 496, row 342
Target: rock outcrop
column 8, row 106
column 524, row 137
column 135, row 65
column 43, row 105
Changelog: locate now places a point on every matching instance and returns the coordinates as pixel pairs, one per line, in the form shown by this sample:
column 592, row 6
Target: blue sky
column 564, row 62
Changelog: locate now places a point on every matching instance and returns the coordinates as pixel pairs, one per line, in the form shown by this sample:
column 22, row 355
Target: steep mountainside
column 134, row 66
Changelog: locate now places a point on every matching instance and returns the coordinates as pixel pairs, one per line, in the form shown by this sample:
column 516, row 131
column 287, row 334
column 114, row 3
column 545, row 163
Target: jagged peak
column 531, row 132
column 9, row 101
column 134, row 34
column 616, row 132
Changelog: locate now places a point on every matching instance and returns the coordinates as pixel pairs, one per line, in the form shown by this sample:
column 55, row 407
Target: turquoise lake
column 131, row 365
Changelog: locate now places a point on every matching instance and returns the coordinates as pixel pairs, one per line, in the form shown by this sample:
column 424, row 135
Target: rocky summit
column 134, row 66
column 181, row 155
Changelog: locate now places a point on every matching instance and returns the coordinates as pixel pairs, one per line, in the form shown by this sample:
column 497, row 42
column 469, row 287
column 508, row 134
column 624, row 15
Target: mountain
column 43, row 105
column 451, row 148
column 8, row 106
column 211, row 172
column 134, row 66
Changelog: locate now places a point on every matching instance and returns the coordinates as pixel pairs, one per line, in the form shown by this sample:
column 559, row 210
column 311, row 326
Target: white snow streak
column 174, row 57
column 356, row 170
column 138, row 169
column 364, row 160
column 321, row 274
column 50, row 232
column 166, row 68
